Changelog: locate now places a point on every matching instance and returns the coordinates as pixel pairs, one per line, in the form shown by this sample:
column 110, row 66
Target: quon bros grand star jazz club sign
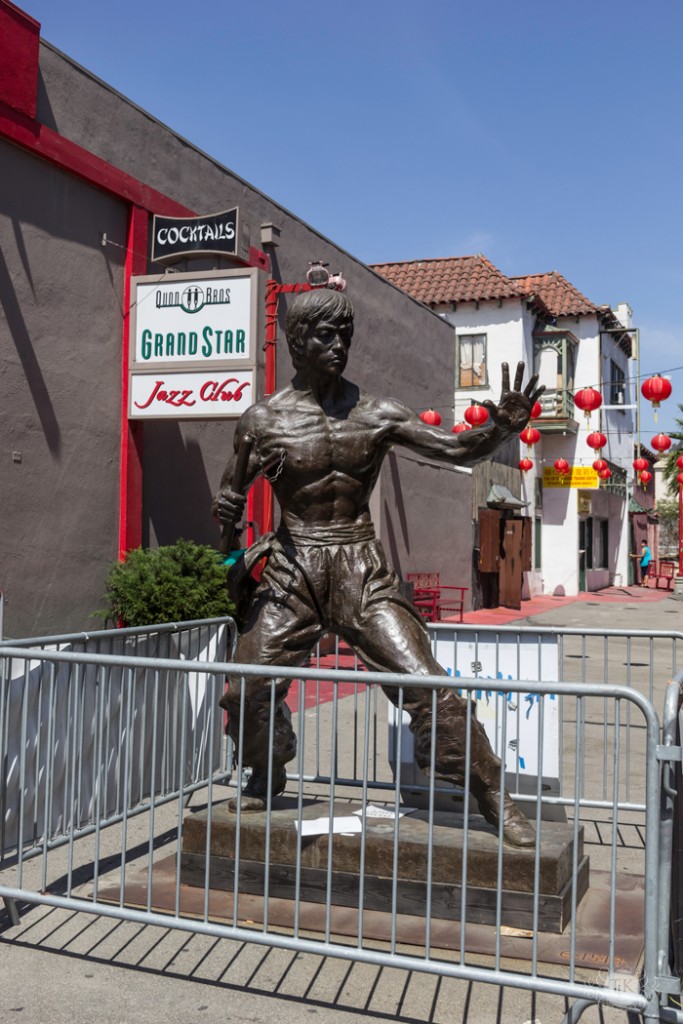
column 193, row 344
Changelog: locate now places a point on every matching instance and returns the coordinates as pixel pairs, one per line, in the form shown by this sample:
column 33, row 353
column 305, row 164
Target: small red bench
column 663, row 570
column 429, row 599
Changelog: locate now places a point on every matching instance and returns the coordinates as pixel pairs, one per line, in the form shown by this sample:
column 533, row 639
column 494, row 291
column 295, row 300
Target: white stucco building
column 580, row 523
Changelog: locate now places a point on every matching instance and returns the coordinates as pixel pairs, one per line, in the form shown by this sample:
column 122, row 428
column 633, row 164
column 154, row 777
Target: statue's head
column 307, row 310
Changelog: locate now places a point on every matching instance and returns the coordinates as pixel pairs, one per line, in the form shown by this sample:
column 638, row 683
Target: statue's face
column 327, row 347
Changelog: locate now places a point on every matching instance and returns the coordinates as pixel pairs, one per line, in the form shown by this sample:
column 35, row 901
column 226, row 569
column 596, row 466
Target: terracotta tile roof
column 556, row 293
column 450, row 279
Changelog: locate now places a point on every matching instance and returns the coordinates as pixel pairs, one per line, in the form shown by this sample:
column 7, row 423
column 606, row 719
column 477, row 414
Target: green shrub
column 176, row 583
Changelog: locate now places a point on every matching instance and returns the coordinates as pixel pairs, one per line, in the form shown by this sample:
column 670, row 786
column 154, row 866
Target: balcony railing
column 557, row 411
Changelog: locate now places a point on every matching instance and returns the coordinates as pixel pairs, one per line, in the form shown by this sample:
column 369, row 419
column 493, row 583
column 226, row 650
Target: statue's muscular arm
column 507, row 418
column 228, row 504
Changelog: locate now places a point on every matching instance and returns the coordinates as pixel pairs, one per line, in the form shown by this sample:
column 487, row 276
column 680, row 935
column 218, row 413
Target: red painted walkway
column 547, row 603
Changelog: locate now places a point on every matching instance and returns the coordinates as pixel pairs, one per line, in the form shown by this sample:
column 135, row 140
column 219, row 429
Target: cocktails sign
column 193, row 344
column 216, row 234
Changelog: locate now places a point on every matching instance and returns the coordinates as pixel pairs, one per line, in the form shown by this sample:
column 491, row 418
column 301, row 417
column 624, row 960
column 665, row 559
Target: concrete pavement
column 56, row 966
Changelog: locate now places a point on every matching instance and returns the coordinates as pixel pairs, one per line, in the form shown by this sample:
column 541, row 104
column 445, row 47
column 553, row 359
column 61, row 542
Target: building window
column 602, row 554
column 471, row 360
column 554, row 361
column 589, row 543
column 617, row 384
column 538, row 491
column 538, row 526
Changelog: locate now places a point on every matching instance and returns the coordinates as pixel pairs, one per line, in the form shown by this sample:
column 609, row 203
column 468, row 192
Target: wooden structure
column 504, row 555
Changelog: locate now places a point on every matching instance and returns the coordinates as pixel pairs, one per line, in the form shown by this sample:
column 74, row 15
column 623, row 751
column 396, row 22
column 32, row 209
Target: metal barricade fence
column 493, row 654
column 671, row 892
column 107, row 844
column 58, row 707
column 199, row 639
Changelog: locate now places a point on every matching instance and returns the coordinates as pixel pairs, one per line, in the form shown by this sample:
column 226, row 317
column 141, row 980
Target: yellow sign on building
column 578, row 476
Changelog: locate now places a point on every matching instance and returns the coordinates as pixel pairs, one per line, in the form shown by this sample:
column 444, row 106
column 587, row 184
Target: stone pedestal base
column 555, row 889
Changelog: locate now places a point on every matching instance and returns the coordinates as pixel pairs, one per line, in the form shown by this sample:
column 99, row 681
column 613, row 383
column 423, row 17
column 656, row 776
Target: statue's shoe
column 254, row 796
column 517, row 829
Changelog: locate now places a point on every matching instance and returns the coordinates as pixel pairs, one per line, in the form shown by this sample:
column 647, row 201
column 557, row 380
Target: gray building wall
column 61, row 294
column 60, row 365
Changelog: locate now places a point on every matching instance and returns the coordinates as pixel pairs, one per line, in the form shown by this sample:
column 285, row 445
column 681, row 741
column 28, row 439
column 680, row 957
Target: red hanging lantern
column 525, row 465
column 599, row 465
column 680, row 478
column 476, row 415
column 596, row 440
column 588, row 400
column 530, row 436
column 605, row 473
column 641, row 464
column 656, row 389
column 679, row 461
column 431, row 418
column 645, row 478
column 562, row 466
column 459, row 427
column 661, row 443
column 536, row 410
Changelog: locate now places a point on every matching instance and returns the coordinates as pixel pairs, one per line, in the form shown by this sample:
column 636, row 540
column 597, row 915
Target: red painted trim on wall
column 49, row 145
column 131, row 442
column 19, row 48
column 69, row 156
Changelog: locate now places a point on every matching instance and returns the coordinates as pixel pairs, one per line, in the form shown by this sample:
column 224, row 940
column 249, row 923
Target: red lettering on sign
column 174, row 398
column 157, row 385
column 218, row 391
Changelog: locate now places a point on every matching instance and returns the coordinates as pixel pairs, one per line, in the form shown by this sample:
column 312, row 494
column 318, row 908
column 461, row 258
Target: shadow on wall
column 22, row 340
column 44, row 112
column 176, row 490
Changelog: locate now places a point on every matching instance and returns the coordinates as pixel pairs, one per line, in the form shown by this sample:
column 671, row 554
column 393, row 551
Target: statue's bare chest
column 310, row 441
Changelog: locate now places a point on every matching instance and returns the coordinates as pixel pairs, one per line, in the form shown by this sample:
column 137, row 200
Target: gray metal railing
column 75, row 716
column 48, row 863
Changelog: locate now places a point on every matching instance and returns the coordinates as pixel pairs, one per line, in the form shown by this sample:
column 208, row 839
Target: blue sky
column 547, row 136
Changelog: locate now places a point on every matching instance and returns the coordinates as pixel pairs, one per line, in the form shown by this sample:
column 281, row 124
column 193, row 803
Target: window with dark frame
column 617, row 392
column 603, row 555
column 471, row 361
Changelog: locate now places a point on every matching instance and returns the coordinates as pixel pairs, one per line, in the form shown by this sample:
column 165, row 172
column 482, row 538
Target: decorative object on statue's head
column 317, row 274
column 308, row 309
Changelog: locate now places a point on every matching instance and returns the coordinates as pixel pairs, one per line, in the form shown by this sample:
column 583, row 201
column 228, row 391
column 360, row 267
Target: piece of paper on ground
column 321, row 826
column 373, row 811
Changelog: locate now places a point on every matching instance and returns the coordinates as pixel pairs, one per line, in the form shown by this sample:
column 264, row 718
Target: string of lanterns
column 655, row 389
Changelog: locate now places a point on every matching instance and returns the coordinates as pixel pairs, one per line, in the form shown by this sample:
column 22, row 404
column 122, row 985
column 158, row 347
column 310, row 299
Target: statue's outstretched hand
column 514, row 408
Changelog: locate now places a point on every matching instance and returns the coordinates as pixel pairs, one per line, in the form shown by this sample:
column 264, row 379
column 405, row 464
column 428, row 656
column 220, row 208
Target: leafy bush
column 176, row 583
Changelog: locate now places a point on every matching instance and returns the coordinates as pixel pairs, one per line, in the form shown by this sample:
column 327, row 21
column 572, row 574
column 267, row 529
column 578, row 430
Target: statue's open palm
column 514, row 408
